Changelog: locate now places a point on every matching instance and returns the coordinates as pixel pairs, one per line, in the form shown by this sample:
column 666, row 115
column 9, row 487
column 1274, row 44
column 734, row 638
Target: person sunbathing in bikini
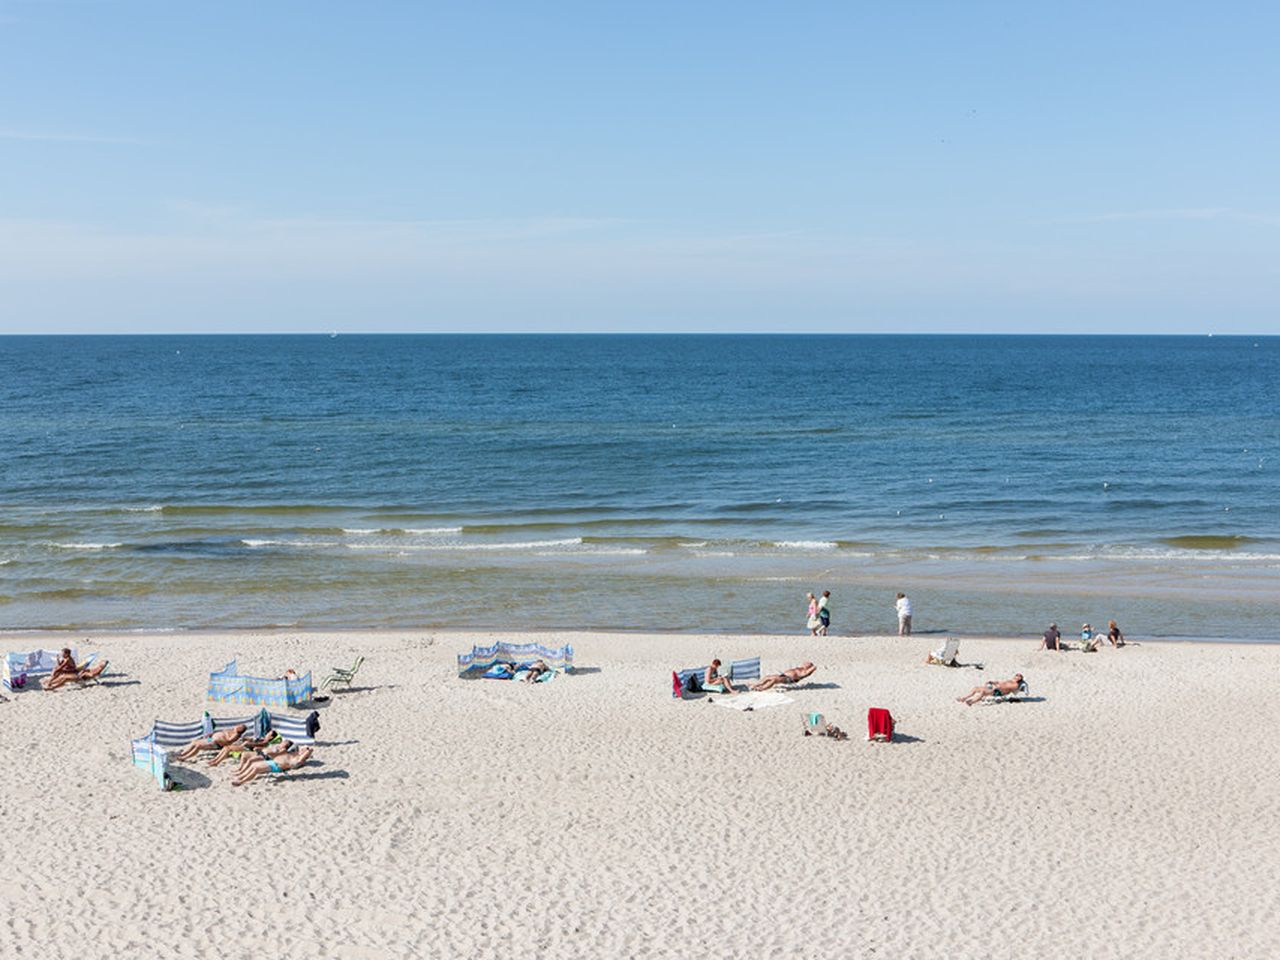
column 713, row 677
column 244, row 743
column 991, row 689
column 215, row 742
column 279, row 764
column 64, row 669
column 794, row 675
column 536, row 669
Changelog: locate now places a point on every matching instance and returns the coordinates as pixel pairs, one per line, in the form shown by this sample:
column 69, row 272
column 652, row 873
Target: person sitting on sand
column 244, row 744
column 216, row 741
column 713, row 678
column 64, row 669
column 1114, row 634
column 1052, row 639
column 536, row 669
column 279, row 764
column 990, row 689
column 794, row 675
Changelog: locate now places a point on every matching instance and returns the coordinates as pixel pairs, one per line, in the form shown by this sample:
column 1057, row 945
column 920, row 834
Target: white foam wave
column 83, row 546
column 289, row 543
column 714, row 553
column 467, row 547
column 154, row 508
column 805, row 544
column 398, row 531
column 6, row 561
column 604, row 552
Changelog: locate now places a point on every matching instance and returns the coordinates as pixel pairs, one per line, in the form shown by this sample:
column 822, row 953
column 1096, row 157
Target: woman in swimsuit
column 215, row 742
column 1114, row 634
column 713, row 678
column 278, row 764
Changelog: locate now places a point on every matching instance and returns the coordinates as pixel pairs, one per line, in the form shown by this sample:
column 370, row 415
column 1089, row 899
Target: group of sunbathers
column 65, row 670
column 508, row 670
column 713, row 679
column 259, row 756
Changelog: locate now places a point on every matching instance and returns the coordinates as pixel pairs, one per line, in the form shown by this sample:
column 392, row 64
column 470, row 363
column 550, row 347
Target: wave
column 82, row 546
column 154, row 508
column 290, row 543
column 1208, row 542
column 400, row 531
column 804, row 544
column 465, row 547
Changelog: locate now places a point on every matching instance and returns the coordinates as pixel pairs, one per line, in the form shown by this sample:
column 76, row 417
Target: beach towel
column 753, row 701
column 498, row 672
column 879, row 724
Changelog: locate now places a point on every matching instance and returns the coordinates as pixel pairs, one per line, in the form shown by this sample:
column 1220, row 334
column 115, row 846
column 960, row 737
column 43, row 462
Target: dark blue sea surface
column 670, row 482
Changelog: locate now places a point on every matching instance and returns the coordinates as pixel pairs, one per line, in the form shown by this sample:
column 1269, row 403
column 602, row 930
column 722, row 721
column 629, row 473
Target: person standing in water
column 813, row 622
column 903, row 606
column 824, row 613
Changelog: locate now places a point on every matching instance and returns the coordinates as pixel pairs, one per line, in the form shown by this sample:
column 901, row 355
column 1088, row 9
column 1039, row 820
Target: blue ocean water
column 663, row 482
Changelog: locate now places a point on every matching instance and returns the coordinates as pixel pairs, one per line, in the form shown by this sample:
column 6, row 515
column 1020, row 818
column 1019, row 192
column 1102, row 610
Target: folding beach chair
column 92, row 674
column 947, row 655
column 341, row 675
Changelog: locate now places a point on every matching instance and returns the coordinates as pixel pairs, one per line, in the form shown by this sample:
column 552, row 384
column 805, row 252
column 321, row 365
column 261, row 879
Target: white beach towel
column 753, row 701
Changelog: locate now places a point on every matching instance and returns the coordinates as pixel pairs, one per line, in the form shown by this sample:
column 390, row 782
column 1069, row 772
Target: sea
column 670, row 483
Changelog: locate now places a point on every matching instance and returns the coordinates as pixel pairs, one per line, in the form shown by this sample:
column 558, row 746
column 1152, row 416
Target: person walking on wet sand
column 813, row 623
column 824, row 613
column 903, row 606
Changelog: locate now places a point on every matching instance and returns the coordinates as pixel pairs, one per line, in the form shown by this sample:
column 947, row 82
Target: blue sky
column 873, row 166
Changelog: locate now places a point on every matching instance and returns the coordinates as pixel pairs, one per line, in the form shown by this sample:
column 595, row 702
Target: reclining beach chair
column 93, row 673
column 947, row 654
column 341, row 675
column 1020, row 694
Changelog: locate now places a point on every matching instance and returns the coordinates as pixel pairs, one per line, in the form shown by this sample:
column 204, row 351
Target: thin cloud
column 1186, row 214
column 32, row 136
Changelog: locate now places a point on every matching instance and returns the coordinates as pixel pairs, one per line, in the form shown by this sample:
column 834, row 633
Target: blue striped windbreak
column 521, row 654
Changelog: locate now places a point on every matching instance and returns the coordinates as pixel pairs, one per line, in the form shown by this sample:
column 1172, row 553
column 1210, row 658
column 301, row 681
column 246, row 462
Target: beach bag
column 813, row 623
column 19, row 681
column 691, row 684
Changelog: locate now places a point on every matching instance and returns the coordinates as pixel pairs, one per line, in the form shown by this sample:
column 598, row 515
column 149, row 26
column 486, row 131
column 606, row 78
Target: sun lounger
column 92, row 674
column 947, row 654
column 341, row 675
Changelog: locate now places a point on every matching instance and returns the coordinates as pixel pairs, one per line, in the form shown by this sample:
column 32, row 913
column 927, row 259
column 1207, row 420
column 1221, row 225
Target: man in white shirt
column 904, row 615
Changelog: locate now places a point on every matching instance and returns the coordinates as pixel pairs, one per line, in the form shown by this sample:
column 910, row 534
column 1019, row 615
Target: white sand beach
column 1128, row 810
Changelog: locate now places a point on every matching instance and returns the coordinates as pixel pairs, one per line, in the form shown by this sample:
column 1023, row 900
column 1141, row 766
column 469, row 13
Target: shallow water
column 649, row 482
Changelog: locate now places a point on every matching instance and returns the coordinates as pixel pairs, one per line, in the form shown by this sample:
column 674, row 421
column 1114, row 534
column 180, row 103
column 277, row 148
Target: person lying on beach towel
column 712, row 678
column 279, row 764
column 794, row 675
column 535, row 670
column 245, row 743
column 815, row 725
column 266, row 753
column 502, row 670
column 217, row 741
column 991, row 689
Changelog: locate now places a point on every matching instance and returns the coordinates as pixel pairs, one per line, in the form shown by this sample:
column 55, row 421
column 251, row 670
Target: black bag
column 691, row 684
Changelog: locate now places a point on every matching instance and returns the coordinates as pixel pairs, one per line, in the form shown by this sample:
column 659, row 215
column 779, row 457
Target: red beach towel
column 879, row 724
column 677, row 690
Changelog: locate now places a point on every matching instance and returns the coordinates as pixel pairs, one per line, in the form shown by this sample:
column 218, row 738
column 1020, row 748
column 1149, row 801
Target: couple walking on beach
column 819, row 614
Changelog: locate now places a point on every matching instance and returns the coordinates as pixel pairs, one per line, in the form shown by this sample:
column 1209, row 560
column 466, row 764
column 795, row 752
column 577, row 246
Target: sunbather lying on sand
column 990, row 689
column 243, row 744
column 536, row 669
column 713, row 677
column 265, row 753
column 794, row 675
column 217, row 741
column 291, row 760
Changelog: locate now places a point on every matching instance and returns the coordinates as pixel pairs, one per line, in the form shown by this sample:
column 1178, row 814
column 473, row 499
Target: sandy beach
column 1127, row 810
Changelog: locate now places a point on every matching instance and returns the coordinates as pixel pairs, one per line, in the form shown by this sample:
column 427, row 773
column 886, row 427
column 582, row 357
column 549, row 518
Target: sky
column 887, row 166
